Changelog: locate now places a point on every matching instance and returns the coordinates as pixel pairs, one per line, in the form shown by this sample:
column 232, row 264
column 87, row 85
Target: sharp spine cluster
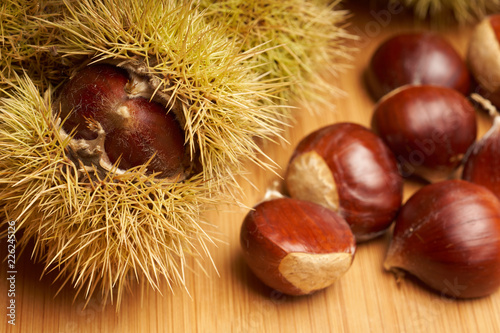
column 103, row 230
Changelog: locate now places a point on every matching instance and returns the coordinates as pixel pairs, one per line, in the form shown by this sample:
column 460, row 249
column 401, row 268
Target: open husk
column 103, row 231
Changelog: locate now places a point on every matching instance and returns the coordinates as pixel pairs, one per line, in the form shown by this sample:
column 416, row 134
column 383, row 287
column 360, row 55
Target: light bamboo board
column 231, row 299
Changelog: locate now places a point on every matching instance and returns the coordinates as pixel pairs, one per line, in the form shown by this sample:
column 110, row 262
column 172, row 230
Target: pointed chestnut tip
column 446, row 234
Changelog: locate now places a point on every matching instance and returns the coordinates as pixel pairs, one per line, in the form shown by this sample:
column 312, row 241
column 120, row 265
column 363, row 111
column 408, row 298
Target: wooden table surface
column 231, row 299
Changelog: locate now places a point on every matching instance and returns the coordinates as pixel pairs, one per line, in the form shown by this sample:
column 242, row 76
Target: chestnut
column 416, row 58
column 483, row 56
column 296, row 247
column 448, row 236
column 428, row 128
column 89, row 96
column 148, row 129
column 347, row 168
column 137, row 130
column 483, row 158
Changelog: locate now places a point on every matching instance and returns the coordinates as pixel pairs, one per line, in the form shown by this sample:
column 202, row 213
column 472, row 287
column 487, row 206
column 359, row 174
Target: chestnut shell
column 152, row 131
column 416, row 58
column 106, row 98
column 481, row 165
column 448, row 235
column 365, row 173
column 277, row 227
column 428, row 128
column 482, row 57
column 87, row 94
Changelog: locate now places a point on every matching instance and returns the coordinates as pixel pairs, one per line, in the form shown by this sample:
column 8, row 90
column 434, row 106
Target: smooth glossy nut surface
column 90, row 95
column 296, row 247
column 347, row 168
column 429, row 129
column 149, row 130
column 448, row 235
column 416, row 58
column 137, row 130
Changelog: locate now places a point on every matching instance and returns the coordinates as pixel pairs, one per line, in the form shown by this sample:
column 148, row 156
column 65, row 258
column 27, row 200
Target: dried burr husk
column 105, row 228
column 446, row 11
column 22, row 37
column 306, row 43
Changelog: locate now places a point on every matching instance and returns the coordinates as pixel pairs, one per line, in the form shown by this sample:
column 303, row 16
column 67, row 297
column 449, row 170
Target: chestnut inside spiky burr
column 111, row 110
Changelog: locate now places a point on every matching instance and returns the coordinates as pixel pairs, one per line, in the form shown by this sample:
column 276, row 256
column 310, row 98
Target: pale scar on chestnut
column 309, row 178
column 311, row 272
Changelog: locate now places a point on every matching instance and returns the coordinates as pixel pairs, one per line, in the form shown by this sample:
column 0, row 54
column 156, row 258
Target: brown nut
column 296, row 247
column 481, row 163
column 416, row 58
column 428, row 128
column 106, row 100
column 347, row 168
column 448, row 235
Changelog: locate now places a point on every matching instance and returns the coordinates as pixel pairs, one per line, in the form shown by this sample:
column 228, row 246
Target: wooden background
column 366, row 299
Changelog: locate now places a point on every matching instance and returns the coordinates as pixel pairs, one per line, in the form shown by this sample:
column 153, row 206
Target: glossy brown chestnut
column 482, row 161
column 137, row 130
column 416, row 58
column 296, row 247
column 448, row 236
column 428, row 128
column 483, row 57
column 149, row 129
column 347, row 168
column 90, row 95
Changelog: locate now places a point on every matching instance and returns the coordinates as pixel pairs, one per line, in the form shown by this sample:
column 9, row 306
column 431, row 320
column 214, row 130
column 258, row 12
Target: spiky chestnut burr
column 447, row 11
column 106, row 228
column 17, row 47
column 89, row 221
column 305, row 43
